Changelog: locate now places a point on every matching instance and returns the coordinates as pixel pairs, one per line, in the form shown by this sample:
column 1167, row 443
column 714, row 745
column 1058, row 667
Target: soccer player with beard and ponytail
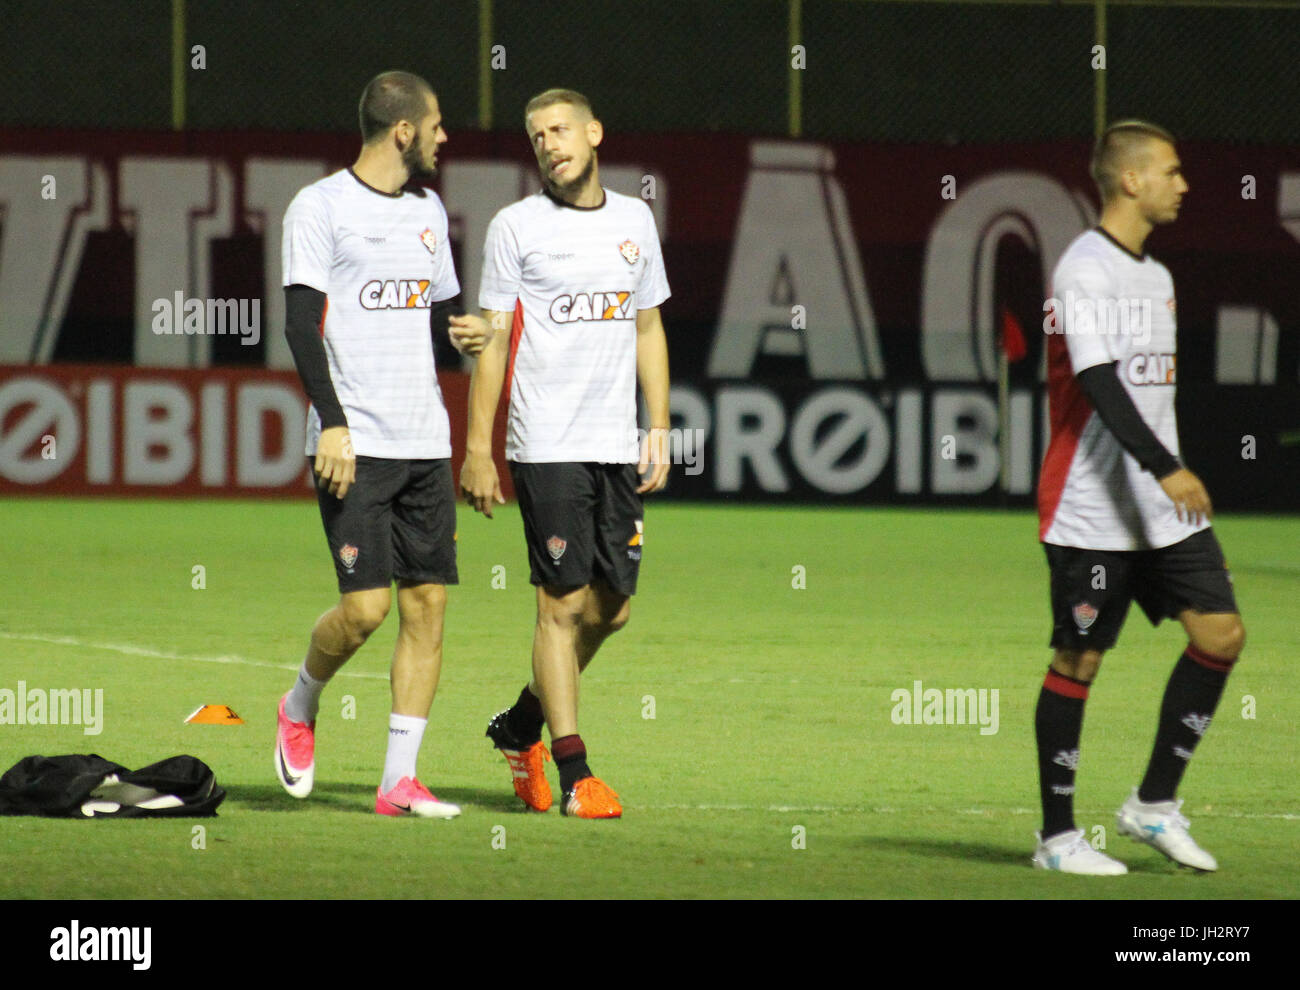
column 573, row 278
column 1120, row 517
column 369, row 287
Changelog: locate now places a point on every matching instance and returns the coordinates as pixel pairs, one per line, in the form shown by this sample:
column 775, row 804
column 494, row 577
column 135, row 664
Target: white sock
column 304, row 700
column 405, row 733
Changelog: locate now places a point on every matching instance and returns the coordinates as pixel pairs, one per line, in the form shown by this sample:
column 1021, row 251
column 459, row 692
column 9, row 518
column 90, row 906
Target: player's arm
column 467, row 333
column 1106, row 392
column 652, row 373
column 479, row 482
column 336, row 463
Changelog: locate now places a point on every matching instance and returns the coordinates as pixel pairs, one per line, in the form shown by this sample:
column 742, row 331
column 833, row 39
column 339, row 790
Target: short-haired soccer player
column 572, row 282
column 1120, row 517
column 369, row 283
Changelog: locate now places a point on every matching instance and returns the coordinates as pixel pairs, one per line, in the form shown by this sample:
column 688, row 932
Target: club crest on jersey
column 592, row 306
column 1084, row 616
column 395, row 293
column 556, row 546
column 348, row 554
column 429, row 239
column 630, row 252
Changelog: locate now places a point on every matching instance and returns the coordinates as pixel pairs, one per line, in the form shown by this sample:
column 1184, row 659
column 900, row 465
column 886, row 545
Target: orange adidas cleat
column 592, row 798
column 527, row 764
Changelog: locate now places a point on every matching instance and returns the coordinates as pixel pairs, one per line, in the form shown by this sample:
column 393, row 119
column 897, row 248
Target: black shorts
column 1092, row 589
column 581, row 521
column 397, row 521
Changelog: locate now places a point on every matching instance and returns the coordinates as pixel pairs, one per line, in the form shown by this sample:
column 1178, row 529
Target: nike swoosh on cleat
column 284, row 768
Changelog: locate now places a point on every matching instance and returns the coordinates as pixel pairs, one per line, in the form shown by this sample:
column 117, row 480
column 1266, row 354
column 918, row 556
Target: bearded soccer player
column 572, row 282
column 369, row 282
column 1120, row 517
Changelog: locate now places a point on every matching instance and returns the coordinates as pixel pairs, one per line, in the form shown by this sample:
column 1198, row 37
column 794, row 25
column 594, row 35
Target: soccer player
column 369, row 284
column 575, row 273
column 1120, row 517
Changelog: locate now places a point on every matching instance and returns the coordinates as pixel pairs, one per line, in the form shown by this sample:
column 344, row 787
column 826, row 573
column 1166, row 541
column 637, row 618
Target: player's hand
column 479, row 483
column 1188, row 495
column 469, row 334
column 654, row 464
column 336, row 462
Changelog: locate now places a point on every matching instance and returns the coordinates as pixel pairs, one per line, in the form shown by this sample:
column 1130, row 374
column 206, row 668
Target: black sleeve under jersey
column 440, row 314
column 304, row 308
column 1105, row 391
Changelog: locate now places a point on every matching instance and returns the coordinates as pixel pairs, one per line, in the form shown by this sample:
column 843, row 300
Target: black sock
column 1191, row 697
column 525, row 719
column 571, row 757
column 1058, row 722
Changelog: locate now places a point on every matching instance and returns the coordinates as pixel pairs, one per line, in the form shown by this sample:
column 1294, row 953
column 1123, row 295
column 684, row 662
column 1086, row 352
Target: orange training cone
column 214, row 715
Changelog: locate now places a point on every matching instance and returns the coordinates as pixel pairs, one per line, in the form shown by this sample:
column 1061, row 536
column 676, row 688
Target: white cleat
column 1161, row 825
column 1069, row 852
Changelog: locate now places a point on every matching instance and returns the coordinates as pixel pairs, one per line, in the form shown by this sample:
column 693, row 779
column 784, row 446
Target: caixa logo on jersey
column 395, row 293
column 593, row 306
column 1153, row 369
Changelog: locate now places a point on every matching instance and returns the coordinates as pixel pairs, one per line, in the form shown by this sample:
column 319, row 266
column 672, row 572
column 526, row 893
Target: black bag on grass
column 89, row 786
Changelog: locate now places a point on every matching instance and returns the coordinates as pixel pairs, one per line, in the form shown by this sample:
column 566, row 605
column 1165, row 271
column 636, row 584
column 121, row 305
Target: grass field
column 771, row 703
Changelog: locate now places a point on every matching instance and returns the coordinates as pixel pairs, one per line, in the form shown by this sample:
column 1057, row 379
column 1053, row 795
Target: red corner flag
column 1013, row 336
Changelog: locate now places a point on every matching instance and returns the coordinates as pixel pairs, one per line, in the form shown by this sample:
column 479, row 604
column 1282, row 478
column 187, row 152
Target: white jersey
column 574, row 278
column 1108, row 305
column 381, row 261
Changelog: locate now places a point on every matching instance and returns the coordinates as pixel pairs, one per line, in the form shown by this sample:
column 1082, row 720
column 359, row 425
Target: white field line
column 991, row 812
column 141, row 651
column 863, row 810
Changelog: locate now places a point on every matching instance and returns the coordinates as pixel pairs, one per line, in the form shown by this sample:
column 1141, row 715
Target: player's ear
column 403, row 134
column 595, row 132
column 1130, row 181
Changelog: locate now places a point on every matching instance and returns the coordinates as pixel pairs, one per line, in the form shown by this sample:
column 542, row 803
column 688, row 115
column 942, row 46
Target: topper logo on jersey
column 395, row 293
column 592, row 306
column 1153, row 369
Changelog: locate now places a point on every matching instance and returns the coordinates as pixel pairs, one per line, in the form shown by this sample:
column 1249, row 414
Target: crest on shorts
column 556, row 546
column 629, row 251
column 429, row 239
column 1084, row 616
column 348, row 554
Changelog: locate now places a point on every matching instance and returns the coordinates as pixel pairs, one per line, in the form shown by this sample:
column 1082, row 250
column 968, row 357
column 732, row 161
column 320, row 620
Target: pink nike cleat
column 295, row 753
column 410, row 797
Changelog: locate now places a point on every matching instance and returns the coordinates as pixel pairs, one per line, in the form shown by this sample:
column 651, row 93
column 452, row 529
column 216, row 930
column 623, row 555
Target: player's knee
column 363, row 614
column 1079, row 665
column 422, row 603
column 1225, row 640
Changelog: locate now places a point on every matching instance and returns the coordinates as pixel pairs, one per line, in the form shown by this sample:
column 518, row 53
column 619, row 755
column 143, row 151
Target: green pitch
column 748, row 710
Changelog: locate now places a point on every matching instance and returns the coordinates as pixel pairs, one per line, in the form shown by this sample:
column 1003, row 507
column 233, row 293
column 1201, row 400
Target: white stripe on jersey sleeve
column 502, row 266
column 445, row 284
column 307, row 248
column 653, row 287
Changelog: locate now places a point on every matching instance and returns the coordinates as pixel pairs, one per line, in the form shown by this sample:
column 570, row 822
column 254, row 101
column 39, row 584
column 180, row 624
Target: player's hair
column 1115, row 150
column 550, row 97
column 391, row 97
